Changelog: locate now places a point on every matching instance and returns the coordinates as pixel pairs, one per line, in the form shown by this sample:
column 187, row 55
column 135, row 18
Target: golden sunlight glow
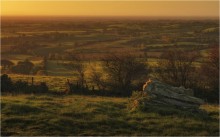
column 111, row 8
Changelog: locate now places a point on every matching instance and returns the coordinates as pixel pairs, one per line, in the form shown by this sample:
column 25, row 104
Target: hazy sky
column 111, row 8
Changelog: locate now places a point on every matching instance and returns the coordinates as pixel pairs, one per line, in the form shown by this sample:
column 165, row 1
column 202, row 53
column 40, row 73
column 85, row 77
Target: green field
column 55, row 83
column 51, row 115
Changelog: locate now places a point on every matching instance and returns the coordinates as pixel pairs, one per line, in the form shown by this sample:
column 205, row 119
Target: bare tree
column 96, row 77
column 176, row 67
column 79, row 67
column 122, row 70
column 210, row 70
column 214, row 57
column 208, row 77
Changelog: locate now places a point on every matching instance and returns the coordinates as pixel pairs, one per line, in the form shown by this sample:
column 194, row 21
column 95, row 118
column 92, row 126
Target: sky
column 110, row 8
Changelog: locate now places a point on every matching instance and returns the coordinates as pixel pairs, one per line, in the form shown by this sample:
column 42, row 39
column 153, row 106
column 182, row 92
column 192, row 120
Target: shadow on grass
column 164, row 110
column 10, row 123
column 20, row 109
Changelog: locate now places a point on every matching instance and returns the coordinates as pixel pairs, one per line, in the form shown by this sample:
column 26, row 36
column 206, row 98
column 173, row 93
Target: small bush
column 138, row 101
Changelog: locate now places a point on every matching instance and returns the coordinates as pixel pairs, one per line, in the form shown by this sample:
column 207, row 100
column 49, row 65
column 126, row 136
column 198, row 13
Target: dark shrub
column 6, row 83
column 6, row 65
column 23, row 67
column 21, row 86
column 43, row 87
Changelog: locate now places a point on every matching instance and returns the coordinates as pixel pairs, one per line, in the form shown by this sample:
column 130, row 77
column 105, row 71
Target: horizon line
column 125, row 16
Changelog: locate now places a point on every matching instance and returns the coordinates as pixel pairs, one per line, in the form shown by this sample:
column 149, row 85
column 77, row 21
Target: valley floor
column 30, row 115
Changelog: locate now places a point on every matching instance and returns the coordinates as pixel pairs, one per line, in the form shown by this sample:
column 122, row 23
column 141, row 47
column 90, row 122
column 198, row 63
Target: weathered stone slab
column 166, row 94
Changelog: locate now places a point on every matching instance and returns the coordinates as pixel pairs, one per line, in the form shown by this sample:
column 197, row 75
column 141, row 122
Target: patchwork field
column 95, row 39
column 47, row 50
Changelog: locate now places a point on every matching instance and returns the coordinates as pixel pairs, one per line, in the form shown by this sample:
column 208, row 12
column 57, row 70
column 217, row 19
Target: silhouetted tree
column 6, row 64
column 6, row 83
column 96, row 78
column 209, row 76
column 122, row 70
column 79, row 68
column 23, row 67
column 176, row 67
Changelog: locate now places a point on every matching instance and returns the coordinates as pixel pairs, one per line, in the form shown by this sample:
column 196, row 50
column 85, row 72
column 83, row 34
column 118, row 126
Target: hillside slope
column 91, row 115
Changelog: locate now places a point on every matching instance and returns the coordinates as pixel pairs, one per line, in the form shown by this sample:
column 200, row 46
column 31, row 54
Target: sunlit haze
column 110, row 8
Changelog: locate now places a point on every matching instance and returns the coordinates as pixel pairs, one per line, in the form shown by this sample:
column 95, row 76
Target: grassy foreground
column 30, row 115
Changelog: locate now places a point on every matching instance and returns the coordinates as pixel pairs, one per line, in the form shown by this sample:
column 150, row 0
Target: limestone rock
column 165, row 94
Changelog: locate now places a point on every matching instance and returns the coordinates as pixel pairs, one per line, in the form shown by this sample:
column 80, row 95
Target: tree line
column 120, row 74
column 18, row 87
column 179, row 68
column 24, row 67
